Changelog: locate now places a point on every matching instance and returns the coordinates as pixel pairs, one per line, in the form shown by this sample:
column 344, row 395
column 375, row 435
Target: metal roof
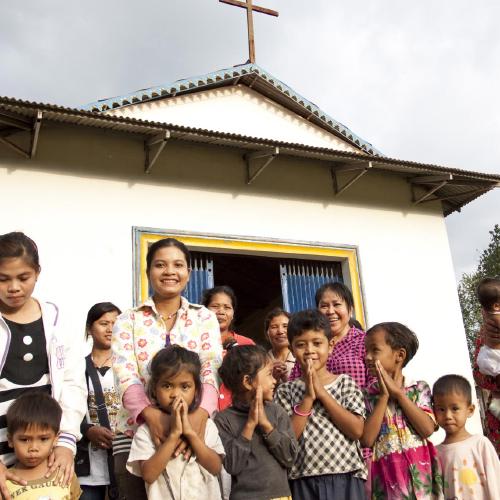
column 453, row 187
column 250, row 75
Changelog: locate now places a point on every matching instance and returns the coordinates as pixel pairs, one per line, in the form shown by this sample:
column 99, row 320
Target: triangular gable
column 302, row 121
column 235, row 109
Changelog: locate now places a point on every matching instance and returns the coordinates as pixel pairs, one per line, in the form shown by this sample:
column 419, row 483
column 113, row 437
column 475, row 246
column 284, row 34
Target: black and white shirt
column 323, row 448
column 26, row 369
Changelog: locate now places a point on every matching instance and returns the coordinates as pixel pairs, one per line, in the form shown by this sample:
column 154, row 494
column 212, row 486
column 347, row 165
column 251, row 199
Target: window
column 263, row 274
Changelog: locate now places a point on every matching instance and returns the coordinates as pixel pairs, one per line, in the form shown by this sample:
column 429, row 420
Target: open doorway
column 256, row 282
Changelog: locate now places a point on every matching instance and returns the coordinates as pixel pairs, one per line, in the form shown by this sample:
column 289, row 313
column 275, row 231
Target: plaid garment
column 323, row 449
column 348, row 356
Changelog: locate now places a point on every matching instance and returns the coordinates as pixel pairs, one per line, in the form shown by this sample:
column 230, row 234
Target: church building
column 272, row 195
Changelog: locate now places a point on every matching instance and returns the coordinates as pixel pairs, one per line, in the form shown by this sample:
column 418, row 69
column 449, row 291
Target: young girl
column 36, row 355
column 175, row 387
column 404, row 463
column 257, row 436
column 94, row 461
column 327, row 414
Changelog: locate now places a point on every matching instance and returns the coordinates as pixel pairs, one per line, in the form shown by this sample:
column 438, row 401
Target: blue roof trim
column 200, row 82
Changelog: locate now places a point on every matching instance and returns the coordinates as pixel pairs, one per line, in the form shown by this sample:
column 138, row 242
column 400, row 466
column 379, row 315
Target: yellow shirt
column 45, row 489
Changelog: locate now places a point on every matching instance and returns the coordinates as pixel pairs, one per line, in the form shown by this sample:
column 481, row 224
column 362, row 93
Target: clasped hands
column 257, row 414
column 389, row 387
column 180, row 421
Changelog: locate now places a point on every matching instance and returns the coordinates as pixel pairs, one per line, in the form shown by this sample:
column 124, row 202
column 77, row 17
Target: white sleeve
column 142, row 449
column 212, row 438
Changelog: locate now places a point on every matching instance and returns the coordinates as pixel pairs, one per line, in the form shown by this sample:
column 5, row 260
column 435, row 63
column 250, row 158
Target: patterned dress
column 140, row 333
column 404, row 465
column 488, row 383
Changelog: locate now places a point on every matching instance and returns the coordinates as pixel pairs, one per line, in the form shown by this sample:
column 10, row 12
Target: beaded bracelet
column 300, row 413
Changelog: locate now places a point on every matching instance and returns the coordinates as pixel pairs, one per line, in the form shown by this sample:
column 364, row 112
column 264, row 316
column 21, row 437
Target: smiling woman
column 335, row 301
column 163, row 319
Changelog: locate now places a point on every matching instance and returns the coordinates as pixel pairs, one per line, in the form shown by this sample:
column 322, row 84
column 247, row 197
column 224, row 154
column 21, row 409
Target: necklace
column 169, row 316
column 103, row 363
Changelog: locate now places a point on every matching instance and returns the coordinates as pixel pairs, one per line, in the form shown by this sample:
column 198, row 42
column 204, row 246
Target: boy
column 488, row 359
column 327, row 413
column 471, row 469
column 33, row 422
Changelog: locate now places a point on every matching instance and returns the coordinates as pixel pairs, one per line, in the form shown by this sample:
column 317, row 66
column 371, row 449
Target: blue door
column 301, row 278
column 201, row 278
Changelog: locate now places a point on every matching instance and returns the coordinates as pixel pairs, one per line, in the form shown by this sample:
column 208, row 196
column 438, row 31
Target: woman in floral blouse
column 165, row 318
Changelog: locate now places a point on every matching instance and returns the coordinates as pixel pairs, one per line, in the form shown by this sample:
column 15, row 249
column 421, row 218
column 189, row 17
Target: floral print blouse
column 140, row 333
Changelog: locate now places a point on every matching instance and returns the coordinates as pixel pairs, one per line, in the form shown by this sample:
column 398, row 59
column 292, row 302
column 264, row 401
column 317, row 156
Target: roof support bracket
column 17, row 125
column 359, row 172
column 152, row 149
column 268, row 155
column 429, row 193
column 35, row 132
column 15, row 148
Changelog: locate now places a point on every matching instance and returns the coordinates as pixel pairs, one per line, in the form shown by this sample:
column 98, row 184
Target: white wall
column 236, row 109
column 85, row 191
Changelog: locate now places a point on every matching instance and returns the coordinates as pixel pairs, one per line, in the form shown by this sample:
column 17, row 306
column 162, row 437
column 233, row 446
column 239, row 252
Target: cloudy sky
column 419, row 80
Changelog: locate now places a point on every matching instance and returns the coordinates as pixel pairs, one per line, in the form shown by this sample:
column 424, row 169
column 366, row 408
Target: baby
column 488, row 359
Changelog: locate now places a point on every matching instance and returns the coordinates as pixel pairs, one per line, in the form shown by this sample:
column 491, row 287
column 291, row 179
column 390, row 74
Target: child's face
column 32, row 445
column 265, row 379
column 17, row 281
column 377, row 348
column 169, row 387
column 452, row 411
column 314, row 345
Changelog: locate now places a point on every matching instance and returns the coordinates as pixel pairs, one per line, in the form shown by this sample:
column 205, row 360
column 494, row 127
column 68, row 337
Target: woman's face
column 169, row 272
column 336, row 310
column 222, row 305
column 17, row 282
column 102, row 329
column 277, row 332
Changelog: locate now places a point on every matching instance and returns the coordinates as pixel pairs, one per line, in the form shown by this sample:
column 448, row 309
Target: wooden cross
column 247, row 4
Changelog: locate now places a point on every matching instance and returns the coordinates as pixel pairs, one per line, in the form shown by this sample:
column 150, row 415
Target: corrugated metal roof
column 251, row 75
column 465, row 186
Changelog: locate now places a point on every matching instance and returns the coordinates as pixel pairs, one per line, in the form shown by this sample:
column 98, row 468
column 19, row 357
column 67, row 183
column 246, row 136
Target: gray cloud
column 417, row 79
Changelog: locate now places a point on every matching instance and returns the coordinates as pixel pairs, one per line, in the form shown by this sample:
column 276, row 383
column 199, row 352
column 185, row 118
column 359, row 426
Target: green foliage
column 489, row 265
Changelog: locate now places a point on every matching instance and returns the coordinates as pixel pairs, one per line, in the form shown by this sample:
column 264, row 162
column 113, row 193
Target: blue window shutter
column 300, row 279
column 202, row 277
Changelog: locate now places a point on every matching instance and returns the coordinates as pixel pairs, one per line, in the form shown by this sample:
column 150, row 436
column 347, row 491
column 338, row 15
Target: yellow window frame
column 347, row 255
